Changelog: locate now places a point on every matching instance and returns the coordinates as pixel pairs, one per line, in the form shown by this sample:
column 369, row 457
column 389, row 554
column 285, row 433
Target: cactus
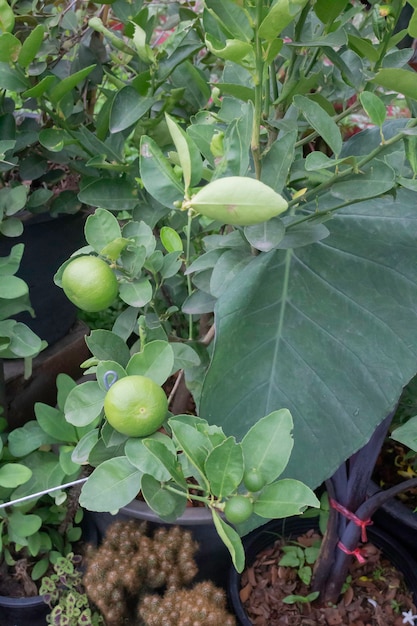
column 204, row 604
column 130, row 563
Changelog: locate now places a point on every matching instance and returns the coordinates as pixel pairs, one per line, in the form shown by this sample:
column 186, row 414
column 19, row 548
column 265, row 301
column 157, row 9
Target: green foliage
column 64, row 592
column 39, row 525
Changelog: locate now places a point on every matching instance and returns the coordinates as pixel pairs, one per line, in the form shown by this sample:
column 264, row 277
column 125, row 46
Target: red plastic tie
column 363, row 523
column 357, row 552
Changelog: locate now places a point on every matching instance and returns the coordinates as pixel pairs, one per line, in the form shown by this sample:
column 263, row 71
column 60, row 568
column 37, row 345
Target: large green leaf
column 330, row 333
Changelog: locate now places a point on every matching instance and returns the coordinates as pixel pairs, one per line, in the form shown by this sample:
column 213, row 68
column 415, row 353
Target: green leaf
column 53, row 422
column 14, row 474
column 398, row 80
column 195, row 445
column 24, row 525
column 407, row 433
column 268, row 444
column 136, row 293
column 284, row 498
column 184, row 356
column 279, row 16
column 7, row 19
column 112, row 485
column 168, row 458
column 278, row 160
column 188, row 154
column 155, row 361
column 28, row 438
column 224, row 468
column 157, row 174
column 321, row 121
column 169, row 506
column 82, row 450
column 42, row 87
column 364, row 47
column 127, row 108
column 67, row 84
column 12, row 79
column 374, row 107
column 84, row 403
column 231, row 540
column 171, row 240
column 140, row 456
column 232, row 18
column 362, row 316
column 374, row 179
column 101, row 228
column 31, row 46
column 267, row 235
column 9, row 48
column 328, row 10
column 107, row 346
column 114, row 194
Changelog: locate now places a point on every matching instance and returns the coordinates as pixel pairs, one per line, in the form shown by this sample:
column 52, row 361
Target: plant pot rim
column 22, row 601
column 193, row 515
column 395, row 508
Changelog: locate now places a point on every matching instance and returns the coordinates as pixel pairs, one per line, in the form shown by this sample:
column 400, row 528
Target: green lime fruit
column 135, row 406
column 89, row 283
column 253, row 480
column 238, row 509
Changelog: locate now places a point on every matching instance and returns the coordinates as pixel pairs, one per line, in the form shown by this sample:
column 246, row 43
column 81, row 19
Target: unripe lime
column 135, row 406
column 253, row 480
column 89, row 283
column 238, row 509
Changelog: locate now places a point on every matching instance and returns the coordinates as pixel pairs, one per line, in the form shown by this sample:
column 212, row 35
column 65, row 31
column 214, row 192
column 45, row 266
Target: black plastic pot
column 261, row 538
column 23, row 611
column 398, row 520
column 213, row 558
column 48, row 243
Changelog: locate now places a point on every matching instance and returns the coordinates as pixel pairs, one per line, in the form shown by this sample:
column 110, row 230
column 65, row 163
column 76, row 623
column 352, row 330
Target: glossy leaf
column 168, row 458
column 279, row 16
column 141, row 457
column 112, row 194
column 105, row 345
column 284, row 498
column 9, row 48
column 31, row 46
column 112, row 485
column 374, row 107
column 328, row 10
column 171, row 240
column 100, row 229
column 232, row 18
column 321, row 121
column 188, row 154
column 128, row 107
column 169, row 506
column 231, row 539
column 14, row 474
column 136, row 293
column 67, row 84
column 193, row 443
column 278, row 160
column 398, row 80
column 340, row 301
column 268, row 444
column 155, row 361
column 84, row 403
column 265, row 236
column 157, row 174
column 224, row 468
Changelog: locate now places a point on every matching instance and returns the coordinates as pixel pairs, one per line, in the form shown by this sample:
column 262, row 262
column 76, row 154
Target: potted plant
column 314, row 309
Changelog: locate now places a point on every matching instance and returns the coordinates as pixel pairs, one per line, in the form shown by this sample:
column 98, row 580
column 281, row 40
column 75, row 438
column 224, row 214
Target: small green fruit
column 238, row 509
column 253, row 480
column 237, row 200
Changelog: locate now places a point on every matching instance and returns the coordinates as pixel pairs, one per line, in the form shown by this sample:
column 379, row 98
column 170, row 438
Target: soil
column 375, row 596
